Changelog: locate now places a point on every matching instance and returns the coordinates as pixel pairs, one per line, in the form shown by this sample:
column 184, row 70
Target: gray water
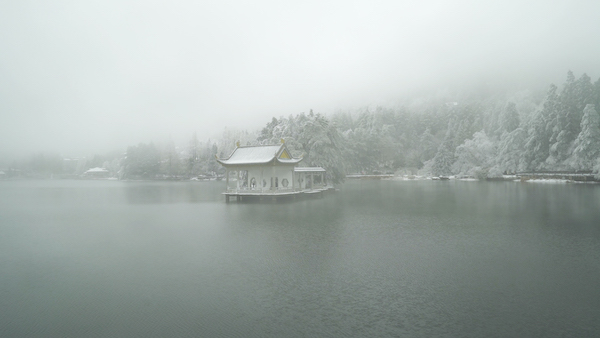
column 378, row 258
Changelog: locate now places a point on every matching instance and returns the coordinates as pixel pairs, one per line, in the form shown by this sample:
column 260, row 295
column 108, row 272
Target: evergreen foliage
column 475, row 156
column 510, row 118
column 587, row 145
column 441, row 164
column 312, row 136
column 482, row 137
column 141, row 161
column 445, row 135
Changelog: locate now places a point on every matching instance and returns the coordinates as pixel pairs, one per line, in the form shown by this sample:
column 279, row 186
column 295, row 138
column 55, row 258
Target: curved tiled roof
column 258, row 155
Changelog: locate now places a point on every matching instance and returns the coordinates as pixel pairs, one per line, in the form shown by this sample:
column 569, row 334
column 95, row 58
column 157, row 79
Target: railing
column 248, row 190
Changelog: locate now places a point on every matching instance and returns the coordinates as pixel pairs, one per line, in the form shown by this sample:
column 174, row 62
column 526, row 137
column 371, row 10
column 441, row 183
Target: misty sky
column 90, row 76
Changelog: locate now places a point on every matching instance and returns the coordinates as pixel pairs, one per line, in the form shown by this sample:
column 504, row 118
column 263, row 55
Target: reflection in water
column 379, row 258
column 170, row 192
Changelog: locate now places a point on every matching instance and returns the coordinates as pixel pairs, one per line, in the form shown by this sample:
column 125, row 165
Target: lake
column 377, row 258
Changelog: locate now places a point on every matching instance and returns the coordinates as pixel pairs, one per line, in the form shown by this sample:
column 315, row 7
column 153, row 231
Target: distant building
column 269, row 171
column 96, row 173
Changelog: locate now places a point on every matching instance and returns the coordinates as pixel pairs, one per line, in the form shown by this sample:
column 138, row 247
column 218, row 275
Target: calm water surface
column 379, row 258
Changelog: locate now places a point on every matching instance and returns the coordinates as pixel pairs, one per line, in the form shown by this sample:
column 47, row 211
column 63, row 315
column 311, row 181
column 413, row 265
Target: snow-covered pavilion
column 269, row 170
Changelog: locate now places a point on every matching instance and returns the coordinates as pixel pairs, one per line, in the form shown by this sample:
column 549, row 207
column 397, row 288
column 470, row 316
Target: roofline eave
column 225, row 164
column 291, row 161
column 273, row 161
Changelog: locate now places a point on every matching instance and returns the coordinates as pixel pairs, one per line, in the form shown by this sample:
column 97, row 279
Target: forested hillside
column 481, row 137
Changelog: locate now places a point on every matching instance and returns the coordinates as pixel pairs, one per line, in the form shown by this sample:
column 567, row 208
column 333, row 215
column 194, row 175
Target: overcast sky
column 89, row 76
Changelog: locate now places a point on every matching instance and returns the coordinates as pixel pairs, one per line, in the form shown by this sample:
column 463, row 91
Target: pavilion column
column 293, row 180
column 226, row 179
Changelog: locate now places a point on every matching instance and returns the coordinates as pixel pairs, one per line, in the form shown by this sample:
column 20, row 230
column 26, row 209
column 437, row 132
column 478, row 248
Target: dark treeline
column 479, row 136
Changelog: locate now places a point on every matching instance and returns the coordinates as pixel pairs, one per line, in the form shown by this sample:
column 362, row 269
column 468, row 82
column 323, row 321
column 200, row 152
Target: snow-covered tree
column 441, row 164
column 475, row 156
column 583, row 94
column 321, row 144
column 566, row 122
column 596, row 169
column 510, row 118
column 465, row 123
column 427, row 145
column 587, row 145
column 596, row 94
column 539, row 130
column 312, row 136
column 509, row 152
column 555, row 119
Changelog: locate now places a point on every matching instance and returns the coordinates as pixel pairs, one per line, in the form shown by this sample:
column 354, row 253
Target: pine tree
column 444, row 158
column 510, row 150
column 575, row 95
column 584, row 94
column 536, row 144
column 510, row 118
column 266, row 133
column 596, row 94
column 587, row 145
column 427, row 145
column 539, row 132
column 313, row 136
column 465, row 124
column 559, row 127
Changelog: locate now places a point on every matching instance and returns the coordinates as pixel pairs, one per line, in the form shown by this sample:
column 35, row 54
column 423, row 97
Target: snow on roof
column 309, row 169
column 289, row 160
column 256, row 155
column 97, row 170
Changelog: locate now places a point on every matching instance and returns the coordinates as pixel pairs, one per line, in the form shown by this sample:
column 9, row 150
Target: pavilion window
column 243, row 179
column 317, row 179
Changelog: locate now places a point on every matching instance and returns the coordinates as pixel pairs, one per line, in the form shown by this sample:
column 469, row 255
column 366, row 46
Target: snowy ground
column 554, row 180
column 549, row 180
column 507, row 178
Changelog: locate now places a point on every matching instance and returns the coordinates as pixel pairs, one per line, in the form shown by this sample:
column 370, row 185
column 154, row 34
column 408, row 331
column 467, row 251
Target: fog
column 79, row 77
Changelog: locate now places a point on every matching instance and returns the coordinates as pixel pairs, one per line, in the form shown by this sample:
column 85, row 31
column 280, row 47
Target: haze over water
column 80, row 78
column 379, row 258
